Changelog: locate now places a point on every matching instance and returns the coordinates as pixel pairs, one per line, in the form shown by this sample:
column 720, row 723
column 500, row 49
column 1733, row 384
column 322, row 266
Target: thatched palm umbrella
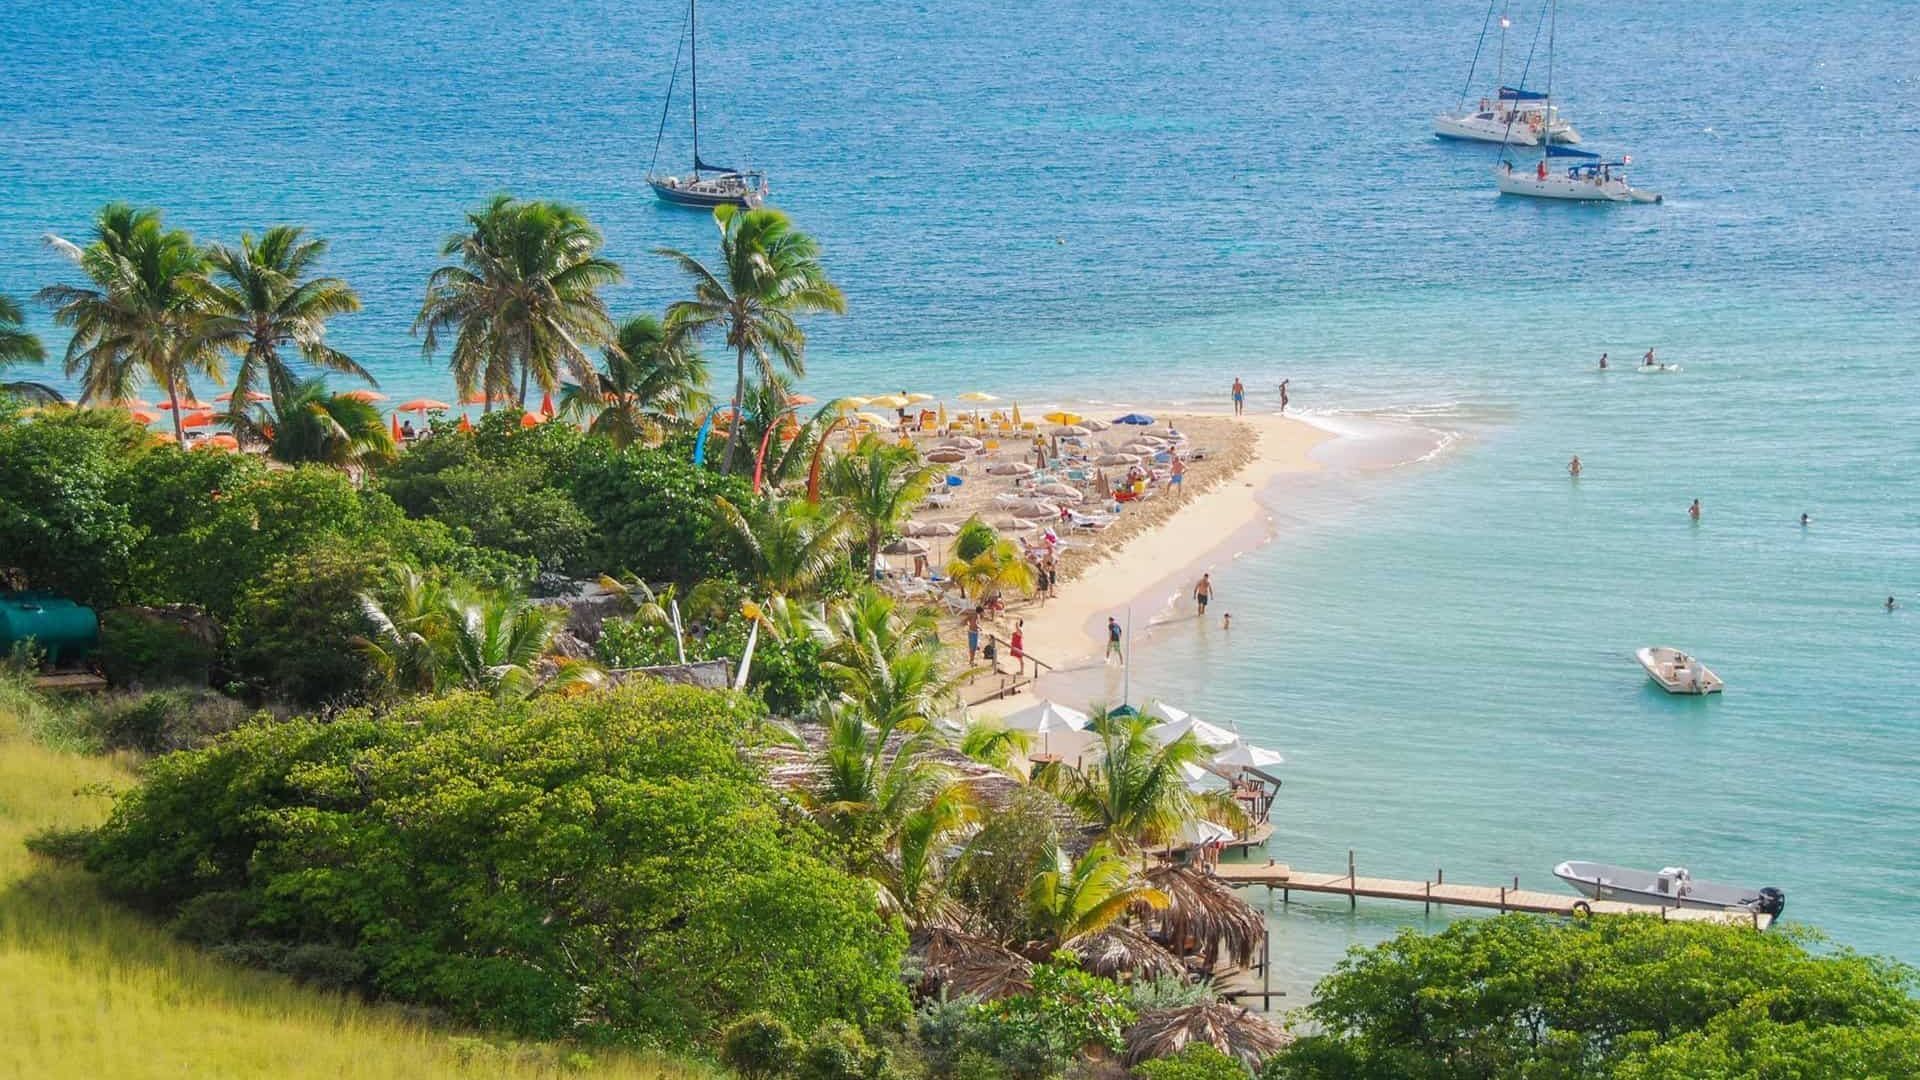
column 1235, row 1031
column 965, row 964
column 1205, row 915
column 1120, row 951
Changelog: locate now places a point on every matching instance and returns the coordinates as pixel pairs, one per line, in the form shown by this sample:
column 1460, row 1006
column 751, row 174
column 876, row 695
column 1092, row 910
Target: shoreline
column 1214, row 526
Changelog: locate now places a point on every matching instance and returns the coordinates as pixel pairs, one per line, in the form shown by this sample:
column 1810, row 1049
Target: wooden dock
column 1438, row 891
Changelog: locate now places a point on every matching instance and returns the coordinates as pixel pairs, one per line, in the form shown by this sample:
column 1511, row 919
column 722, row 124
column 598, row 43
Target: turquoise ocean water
column 1137, row 201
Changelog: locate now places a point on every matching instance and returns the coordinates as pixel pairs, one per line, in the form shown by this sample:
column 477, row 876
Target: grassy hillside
column 88, row 989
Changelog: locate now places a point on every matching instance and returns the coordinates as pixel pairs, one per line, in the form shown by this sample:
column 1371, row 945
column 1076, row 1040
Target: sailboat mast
column 693, row 70
column 1501, row 80
column 1546, row 116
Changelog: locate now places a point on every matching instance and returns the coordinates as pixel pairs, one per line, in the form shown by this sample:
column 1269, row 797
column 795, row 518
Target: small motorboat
column 1676, row 672
column 1671, row 886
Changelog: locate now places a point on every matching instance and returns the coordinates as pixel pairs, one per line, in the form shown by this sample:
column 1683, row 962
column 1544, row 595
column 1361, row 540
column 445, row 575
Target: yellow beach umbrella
column 1063, row 417
column 875, row 419
column 943, row 416
column 848, row 404
column 918, row 396
column 889, row 401
column 978, row 395
column 1016, row 414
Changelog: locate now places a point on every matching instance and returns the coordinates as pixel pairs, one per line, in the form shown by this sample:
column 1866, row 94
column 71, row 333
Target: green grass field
column 89, row 989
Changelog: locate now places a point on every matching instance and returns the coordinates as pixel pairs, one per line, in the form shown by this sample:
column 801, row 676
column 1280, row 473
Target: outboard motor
column 1772, row 902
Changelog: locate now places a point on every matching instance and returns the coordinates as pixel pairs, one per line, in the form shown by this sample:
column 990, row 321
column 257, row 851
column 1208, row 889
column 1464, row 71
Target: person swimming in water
column 1647, row 360
column 1573, row 467
column 1890, row 604
column 1603, row 361
column 1694, row 510
column 1805, row 521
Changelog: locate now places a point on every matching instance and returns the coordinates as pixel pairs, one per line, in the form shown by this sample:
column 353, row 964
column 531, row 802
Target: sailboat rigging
column 709, row 185
column 1513, row 115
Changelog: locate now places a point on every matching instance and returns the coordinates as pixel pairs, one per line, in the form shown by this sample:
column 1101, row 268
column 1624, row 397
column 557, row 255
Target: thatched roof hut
column 965, row 964
column 1235, row 1031
column 1122, row 952
column 1202, row 916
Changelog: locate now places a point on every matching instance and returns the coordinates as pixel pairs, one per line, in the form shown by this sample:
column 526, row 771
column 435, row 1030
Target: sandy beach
column 1155, row 552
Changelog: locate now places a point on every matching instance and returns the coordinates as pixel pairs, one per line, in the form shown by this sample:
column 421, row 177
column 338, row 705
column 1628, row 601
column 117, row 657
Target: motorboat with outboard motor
column 1671, row 886
column 1676, row 672
column 1572, row 175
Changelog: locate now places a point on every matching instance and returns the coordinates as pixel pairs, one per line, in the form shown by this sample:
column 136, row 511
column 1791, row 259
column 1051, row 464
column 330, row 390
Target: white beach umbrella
column 951, row 455
column 1207, row 735
column 1010, row 468
column 1117, row 459
column 1095, row 425
column 1071, row 431
column 1035, row 510
column 1057, row 729
column 1160, row 710
column 906, row 545
column 1201, row 831
column 1062, row 492
column 1016, row 525
column 961, row 442
column 932, row 528
column 1245, row 755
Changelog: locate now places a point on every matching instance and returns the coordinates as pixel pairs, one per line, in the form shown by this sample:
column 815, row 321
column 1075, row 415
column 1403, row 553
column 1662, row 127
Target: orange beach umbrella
column 546, row 404
column 142, row 416
column 253, row 396
column 396, row 427
column 465, row 424
column 423, row 405
column 222, row 441
column 123, row 403
column 185, row 405
column 368, row 396
column 529, row 420
column 199, row 419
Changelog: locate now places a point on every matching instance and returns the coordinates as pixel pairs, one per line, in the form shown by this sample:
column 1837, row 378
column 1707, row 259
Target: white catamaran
column 1513, row 115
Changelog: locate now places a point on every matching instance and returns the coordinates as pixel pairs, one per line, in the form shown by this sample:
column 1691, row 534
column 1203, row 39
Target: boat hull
column 1567, row 189
column 703, row 200
column 1477, row 127
column 1603, row 882
column 1676, row 672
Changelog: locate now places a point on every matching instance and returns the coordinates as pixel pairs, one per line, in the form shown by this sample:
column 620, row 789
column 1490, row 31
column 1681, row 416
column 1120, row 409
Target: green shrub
column 975, row 539
column 216, row 918
column 759, row 1046
column 136, row 648
column 1195, row 1061
column 61, row 525
column 163, row 721
column 654, row 512
column 544, row 867
column 326, row 967
column 837, row 1051
column 294, row 631
column 1038, row 1034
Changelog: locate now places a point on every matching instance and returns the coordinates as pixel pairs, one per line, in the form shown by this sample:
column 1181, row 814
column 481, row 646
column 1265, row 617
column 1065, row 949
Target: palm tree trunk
column 523, row 389
column 173, row 399
column 739, row 395
column 873, row 553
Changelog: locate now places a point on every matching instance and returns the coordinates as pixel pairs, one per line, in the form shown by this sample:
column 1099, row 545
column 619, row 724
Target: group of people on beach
column 1240, row 396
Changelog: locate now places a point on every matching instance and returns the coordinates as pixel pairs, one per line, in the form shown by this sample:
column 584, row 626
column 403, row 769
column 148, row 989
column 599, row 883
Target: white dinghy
column 1671, row 886
column 1676, row 672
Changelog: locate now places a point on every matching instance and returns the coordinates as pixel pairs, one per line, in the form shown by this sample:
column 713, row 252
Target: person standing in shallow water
column 1239, row 396
column 1694, row 510
column 1113, row 639
column 1283, row 395
column 1203, row 593
column 1573, row 467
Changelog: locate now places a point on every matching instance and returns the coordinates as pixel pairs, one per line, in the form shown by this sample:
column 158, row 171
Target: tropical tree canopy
column 787, row 545
column 307, row 422
column 136, row 320
column 879, row 483
column 430, row 636
column 652, row 377
column 523, row 300
column 17, row 346
column 768, row 274
column 1135, row 793
column 258, row 298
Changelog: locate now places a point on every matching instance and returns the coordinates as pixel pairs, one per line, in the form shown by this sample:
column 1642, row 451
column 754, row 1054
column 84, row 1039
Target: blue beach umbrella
column 1137, row 419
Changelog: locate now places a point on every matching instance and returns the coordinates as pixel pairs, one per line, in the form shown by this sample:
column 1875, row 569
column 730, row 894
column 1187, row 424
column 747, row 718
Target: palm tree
column 19, row 347
column 1074, row 899
column 430, row 637
column 879, row 484
column 258, row 299
column 1001, row 568
column 523, row 300
column 887, row 665
column 769, row 273
column 789, row 544
column 137, row 320
column 652, row 378
column 309, row 423
column 1135, row 794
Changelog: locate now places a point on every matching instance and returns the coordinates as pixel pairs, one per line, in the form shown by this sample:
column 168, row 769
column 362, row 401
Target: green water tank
column 64, row 630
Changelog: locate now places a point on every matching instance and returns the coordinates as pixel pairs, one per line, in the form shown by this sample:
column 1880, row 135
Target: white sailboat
column 1513, row 115
column 707, row 186
column 1563, row 172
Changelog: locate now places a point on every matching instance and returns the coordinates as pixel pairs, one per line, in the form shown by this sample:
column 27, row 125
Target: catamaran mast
column 1501, row 80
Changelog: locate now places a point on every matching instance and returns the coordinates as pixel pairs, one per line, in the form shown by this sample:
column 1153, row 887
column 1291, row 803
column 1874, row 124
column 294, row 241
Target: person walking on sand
column 1203, row 592
column 1283, row 395
column 1179, row 472
column 1694, row 510
column 1573, row 467
column 1113, row 639
column 1239, row 396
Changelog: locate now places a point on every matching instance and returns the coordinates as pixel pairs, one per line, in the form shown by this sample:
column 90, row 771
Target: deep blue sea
column 1133, row 201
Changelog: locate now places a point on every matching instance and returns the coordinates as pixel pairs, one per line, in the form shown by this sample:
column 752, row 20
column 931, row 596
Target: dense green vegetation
column 1634, row 998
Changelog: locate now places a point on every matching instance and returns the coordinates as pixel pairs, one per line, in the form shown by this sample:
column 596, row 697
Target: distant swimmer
column 1573, row 467
column 1603, row 361
column 1805, row 521
column 1647, row 360
column 1694, row 510
column 1890, row 604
